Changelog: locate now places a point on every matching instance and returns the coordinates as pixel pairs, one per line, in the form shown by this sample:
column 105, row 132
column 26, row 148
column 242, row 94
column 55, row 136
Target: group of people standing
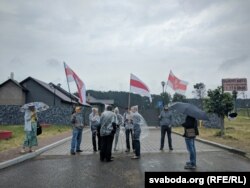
column 106, row 128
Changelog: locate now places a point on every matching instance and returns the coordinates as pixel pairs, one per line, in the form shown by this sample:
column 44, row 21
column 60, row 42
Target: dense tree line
column 121, row 98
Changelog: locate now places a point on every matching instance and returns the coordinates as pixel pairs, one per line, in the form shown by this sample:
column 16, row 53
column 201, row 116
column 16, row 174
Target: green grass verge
column 18, row 134
column 237, row 133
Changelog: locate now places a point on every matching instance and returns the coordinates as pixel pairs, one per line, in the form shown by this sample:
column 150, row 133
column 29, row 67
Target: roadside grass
column 243, row 112
column 237, row 133
column 18, row 134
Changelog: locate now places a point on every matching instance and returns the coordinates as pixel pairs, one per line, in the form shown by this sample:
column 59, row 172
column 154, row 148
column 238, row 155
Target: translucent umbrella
column 39, row 106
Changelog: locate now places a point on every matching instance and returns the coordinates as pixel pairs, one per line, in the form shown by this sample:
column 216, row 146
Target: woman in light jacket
column 118, row 126
column 94, row 122
column 30, row 127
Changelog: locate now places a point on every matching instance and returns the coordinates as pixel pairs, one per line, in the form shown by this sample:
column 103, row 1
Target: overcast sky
column 104, row 41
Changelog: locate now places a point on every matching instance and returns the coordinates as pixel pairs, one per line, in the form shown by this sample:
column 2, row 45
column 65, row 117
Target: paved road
column 56, row 168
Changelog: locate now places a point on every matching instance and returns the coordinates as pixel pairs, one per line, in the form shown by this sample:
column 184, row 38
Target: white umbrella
column 39, row 106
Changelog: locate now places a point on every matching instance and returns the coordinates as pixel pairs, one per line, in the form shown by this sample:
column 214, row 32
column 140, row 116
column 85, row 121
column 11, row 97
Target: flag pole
column 68, row 83
column 129, row 93
column 129, row 100
column 166, row 88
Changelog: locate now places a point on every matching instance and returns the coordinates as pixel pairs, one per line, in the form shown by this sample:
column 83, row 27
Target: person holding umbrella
column 30, row 127
column 190, row 132
column 190, row 128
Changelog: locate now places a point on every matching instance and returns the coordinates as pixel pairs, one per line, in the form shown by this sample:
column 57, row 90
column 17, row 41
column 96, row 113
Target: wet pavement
column 57, row 168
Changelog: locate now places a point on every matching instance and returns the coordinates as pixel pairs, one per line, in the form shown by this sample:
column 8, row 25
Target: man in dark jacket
column 108, row 123
column 165, row 123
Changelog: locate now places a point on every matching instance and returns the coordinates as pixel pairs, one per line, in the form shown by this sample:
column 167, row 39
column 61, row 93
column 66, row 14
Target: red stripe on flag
column 138, row 84
column 78, row 81
column 176, row 83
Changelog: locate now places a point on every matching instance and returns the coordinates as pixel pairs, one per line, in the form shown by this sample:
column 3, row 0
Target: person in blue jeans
column 190, row 132
column 77, row 127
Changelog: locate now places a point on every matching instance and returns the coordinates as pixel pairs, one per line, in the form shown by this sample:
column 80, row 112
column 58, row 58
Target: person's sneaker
column 72, row 153
column 127, row 150
column 161, row 148
column 78, row 151
column 22, row 151
column 110, row 160
column 135, row 157
column 171, row 149
column 190, row 166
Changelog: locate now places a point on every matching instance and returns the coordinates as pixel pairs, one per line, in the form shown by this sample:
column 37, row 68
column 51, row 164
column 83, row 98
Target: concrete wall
column 11, row 115
column 11, row 94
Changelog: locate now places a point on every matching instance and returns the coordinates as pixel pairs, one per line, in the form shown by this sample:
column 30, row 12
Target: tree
column 200, row 92
column 219, row 103
column 166, row 97
column 179, row 98
column 235, row 93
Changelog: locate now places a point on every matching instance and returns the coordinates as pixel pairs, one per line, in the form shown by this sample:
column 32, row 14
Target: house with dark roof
column 50, row 94
column 94, row 101
column 99, row 103
column 12, row 93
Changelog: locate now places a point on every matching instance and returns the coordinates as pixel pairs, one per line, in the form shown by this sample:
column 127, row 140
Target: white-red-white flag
column 71, row 76
column 137, row 86
column 179, row 86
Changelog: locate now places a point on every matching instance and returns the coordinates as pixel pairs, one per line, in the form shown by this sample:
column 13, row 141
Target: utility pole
column 163, row 85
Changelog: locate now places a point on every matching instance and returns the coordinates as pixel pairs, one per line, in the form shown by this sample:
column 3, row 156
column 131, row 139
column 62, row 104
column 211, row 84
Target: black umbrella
column 189, row 109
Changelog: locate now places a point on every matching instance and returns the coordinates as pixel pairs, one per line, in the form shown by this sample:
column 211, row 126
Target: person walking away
column 190, row 132
column 94, row 122
column 128, row 129
column 165, row 118
column 137, row 121
column 77, row 127
column 30, row 128
column 108, row 128
column 118, row 126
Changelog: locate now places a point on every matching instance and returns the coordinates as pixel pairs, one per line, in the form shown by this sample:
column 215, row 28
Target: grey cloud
column 16, row 61
column 230, row 64
column 54, row 62
column 196, row 6
column 147, row 38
